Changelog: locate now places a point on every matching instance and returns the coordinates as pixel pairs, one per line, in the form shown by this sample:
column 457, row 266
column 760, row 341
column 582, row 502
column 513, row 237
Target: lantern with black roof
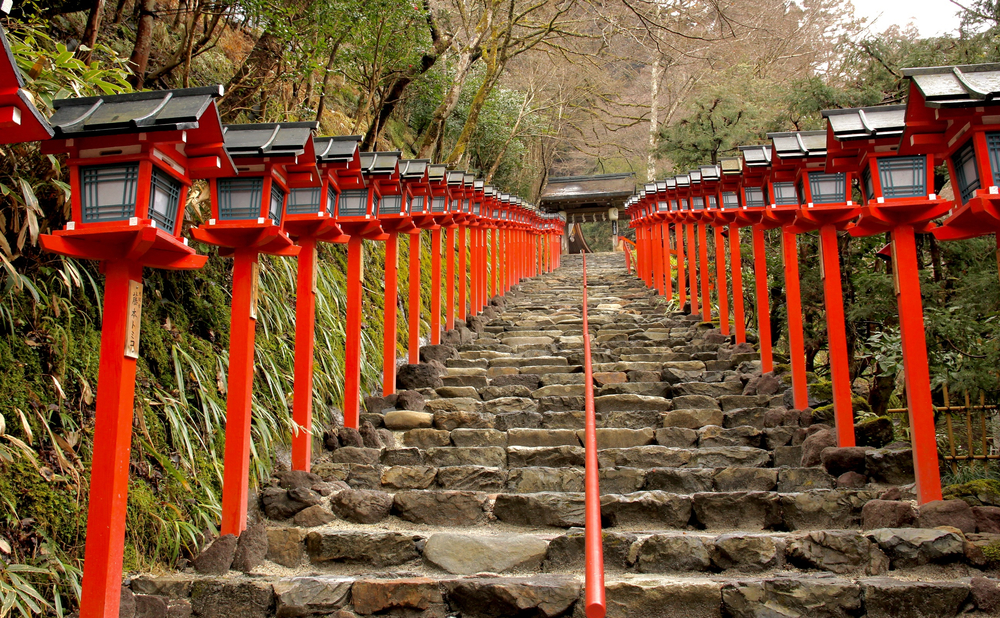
column 754, row 198
column 699, row 245
column 456, row 282
column 711, row 178
column 310, row 218
column 247, row 211
column 898, row 197
column 731, row 176
column 437, row 182
column 131, row 159
column 417, row 188
column 825, row 205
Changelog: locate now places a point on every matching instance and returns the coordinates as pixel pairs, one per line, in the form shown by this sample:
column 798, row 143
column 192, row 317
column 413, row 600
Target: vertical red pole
column 496, row 262
column 736, row 271
column 706, row 284
column 436, row 286
column 389, row 311
column 763, row 299
column 720, row 280
column 462, row 274
column 305, row 331
column 450, row 283
column 681, row 289
column 594, row 593
column 236, row 475
column 793, row 303
column 414, row 304
column 352, row 338
column 657, row 260
column 836, row 333
column 667, row 274
column 102, row 566
column 473, row 269
column 917, row 375
column 692, row 269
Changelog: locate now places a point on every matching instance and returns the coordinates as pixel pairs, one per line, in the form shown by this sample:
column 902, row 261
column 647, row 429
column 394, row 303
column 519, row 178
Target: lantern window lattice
column 353, row 203
column 828, row 188
column 662, row 206
column 438, row 204
column 754, row 197
column 730, row 200
column 785, row 194
column 164, row 199
column 697, row 203
column 390, row 205
column 965, row 171
column 304, row 201
column 108, row 192
column 239, row 198
column 712, row 203
column 417, row 203
column 901, row 177
column 277, row 204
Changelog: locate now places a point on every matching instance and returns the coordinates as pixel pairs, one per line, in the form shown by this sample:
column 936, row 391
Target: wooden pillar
column 720, row 280
column 836, row 332
column 436, row 286
column 305, row 337
column 352, row 338
column 736, row 272
column 763, row 300
column 793, row 303
column 390, row 316
column 413, row 307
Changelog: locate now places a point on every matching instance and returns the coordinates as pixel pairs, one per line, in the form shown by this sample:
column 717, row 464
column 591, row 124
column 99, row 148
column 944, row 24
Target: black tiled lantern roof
column 957, row 86
column 158, row 110
column 710, row 172
column 456, row 178
column 413, row 168
column 336, row 149
column 436, row 173
column 799, row 144
column 268, row 139
column 379, row 162
column 756, row 156
column 867, row 122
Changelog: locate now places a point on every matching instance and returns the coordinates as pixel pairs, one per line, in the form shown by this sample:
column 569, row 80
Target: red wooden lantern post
column 687, row 217
column 727, row 215
column 647, row 197
column 478, row 274
column 247, row 212
column 416, row 181
column 308, row 221
column 782, row 212
column 753, row 204
column 439, row 200
column 131, row 161
column 826, row 205
column 898, row 196
column 455, row 285
column 677, row 218
column 696, row 201
column 380, row 171
column 711, row 176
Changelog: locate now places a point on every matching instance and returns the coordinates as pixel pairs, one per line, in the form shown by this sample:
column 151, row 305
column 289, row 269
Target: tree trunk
column 253, row 73
column 143, row 43
column 510, row 138
column 328, row 79
column 89, row 37
column 119, row 12
column 654, row 126
column 475, row 108
column 447, row 105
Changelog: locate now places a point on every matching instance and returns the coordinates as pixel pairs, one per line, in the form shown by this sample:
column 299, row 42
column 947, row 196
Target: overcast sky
column 931, row 17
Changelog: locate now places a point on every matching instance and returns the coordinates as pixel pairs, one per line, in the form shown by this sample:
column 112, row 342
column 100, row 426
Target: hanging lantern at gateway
column 247, row 216
column 131, row 159
column 899, row 198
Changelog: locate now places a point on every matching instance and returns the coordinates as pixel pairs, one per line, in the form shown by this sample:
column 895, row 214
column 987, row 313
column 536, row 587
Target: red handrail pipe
column 594, row 557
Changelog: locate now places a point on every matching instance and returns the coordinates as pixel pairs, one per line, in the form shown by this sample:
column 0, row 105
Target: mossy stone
column 875, row 432
column 981, row 492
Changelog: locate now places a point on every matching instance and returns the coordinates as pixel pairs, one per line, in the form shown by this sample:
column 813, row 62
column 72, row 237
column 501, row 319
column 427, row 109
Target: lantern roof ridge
column 756, row 156
column 957, row 85
column 268, row 139
column 798, row 144
column 336, row 148
column 867, row 122
column 730, row 165
column 437, row 171
column 154, row 110
column 380, row 162
column 456, row 177
column 710, row 172
column 414, row 168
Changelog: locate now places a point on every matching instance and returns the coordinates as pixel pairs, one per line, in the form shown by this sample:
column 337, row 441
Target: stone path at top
column 462, row 496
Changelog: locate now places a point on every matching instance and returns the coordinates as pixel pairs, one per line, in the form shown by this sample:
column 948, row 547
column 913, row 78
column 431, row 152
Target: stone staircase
column 462, row 495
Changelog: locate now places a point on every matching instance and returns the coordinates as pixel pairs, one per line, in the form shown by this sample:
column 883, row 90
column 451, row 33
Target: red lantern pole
column 462, row 273
column 436, row 286
column 916, row 373
column 736, row 272
column 389, row 311
column 681, row 289
column 450, row 283
column 473, row 270
column 793, row 302
column 414, row 304
column 692, row 269
column 496, row 262
column 763, row 299
column 837, row 335
column 706, row 284
column 720, row 280
column 106, row 511
column 667, row 274
column 305, row 337
column 352, row 339
column 657, row 259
